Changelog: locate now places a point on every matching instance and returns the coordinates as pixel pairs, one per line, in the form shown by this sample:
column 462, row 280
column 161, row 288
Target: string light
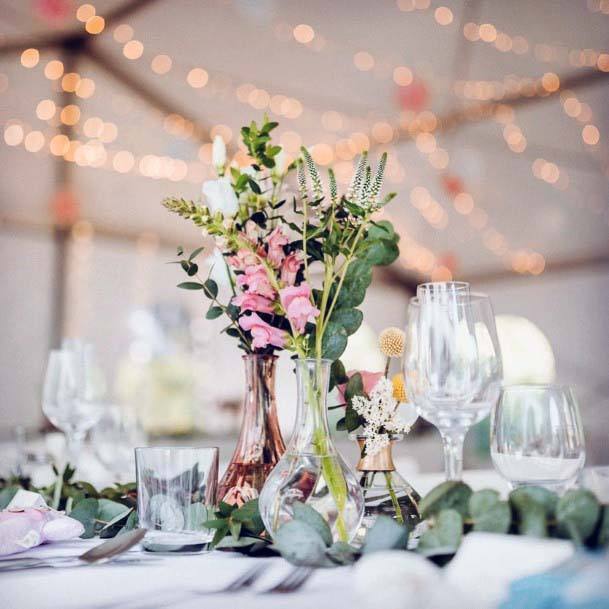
column 304, row 33
column 95, row 25
column 133, row 49
column 85, row 12
column 54, row 69
column 161, row 64
column 30, row 58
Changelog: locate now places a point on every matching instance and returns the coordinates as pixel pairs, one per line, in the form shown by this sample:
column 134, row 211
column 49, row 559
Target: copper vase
column 260, row 444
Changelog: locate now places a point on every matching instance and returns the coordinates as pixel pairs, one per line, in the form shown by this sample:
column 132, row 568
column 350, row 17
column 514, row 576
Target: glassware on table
column 260, row 444
column 176, row 494
column 537, row 436
column 311, row 470
column 114, row 437
column 72, row 396
column 452, row 362
column 385, row 491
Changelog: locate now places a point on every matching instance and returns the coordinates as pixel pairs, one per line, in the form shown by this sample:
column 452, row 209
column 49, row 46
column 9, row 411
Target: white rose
column 218, row 154
column 220, row 196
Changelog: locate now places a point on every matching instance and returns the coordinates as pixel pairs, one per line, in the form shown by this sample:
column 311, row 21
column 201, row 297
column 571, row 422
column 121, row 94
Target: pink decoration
column 257, row 281
column 275, row 241
column 369, row 379
column 253, row 302
column 414, row 96
column 296, row 300
column 22, row 529
column 290, row 267
column 263, row 334
column 54, row 10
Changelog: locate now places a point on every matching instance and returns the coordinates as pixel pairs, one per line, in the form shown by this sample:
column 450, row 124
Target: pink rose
column 257, row 281
column 275, row 241
column 290, row 267
column 253, row 302
column 263, row 334
column 242, row 259
column 369, row 379
column 296, row 300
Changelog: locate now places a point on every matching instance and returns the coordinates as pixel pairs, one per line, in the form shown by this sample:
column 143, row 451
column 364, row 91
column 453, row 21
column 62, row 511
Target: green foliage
column 451, row 494
column 386, row 534
column 489, row 513
column 243, row 524
column 444, row 535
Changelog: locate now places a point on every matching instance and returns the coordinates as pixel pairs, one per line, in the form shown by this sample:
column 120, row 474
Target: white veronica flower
column 218, row 154
column 281, row 165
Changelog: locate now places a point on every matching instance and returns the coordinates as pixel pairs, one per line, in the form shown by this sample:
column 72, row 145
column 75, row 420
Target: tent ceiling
column 239, row 42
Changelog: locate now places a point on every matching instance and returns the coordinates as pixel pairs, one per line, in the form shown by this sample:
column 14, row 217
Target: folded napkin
column 580, row 583
column 27, row 521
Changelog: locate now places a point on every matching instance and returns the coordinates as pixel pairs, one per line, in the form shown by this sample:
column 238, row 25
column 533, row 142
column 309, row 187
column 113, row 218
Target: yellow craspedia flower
column 391, row 342
column 399, row 389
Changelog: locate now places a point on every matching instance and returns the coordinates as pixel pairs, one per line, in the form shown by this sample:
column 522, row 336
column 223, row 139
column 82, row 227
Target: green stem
column 394, row 498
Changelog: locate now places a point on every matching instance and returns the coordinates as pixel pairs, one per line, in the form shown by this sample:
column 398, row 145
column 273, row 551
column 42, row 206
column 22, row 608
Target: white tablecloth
column 178, row 581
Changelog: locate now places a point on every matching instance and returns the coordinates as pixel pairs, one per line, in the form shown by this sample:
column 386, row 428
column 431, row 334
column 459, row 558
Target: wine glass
column 114, row 438
column 73, row 389
column 537, row 436
column 452, row 363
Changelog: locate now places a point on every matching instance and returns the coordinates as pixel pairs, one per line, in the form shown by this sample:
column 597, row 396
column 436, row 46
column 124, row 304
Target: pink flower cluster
column 267, row 279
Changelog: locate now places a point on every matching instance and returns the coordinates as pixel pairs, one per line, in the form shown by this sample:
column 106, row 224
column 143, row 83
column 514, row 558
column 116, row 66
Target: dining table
column 476, row 579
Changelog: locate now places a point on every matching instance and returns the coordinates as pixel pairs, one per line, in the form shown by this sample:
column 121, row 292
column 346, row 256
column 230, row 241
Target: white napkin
column 487, row 563
column 26, row 499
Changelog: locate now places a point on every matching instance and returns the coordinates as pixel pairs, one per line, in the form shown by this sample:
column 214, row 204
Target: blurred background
column 495, row 118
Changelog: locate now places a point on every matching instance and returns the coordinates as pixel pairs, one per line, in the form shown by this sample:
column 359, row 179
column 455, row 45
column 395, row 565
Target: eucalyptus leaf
column 381, row 252
column 382, row 229
column 211, row 288
column 497, row 518
column 444, row 536
column 357, row 279
column 385, row 534
column 190, row 285
column 342, row 553
column 299, row 543
column 110, row 511
column 6, row 495
column 242, row 542
column 451, row 494
column 334, row 341
column 533, row 521
column 355, row 386
column 313, row 518
column 349, row 319
column 522, row 498
column 85, row 511
column 577, row 513
column 213, row 312
column 482, row 500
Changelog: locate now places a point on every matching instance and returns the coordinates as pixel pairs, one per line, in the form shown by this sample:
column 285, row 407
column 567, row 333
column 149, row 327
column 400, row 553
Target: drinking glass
column 176, row 495
column 537, row 437
column 72, row 395
column 452, row 362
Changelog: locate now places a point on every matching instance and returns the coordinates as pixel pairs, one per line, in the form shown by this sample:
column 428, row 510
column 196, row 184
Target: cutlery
column 100, row 554
column 293, row 581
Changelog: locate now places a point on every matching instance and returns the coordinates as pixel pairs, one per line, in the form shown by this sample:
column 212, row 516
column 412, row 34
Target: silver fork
column 292, row 582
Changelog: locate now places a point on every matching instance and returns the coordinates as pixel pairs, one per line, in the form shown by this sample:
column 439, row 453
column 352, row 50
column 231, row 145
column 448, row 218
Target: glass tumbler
column 537, row 436
column 176, row 495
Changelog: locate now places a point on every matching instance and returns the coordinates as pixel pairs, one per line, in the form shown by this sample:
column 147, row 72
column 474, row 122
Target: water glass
column 176, row 495
column 537, row 436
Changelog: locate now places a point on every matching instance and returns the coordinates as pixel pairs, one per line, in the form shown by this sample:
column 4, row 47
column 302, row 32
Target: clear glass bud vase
column 385, row 491
column 260, row 444
column 311, row 470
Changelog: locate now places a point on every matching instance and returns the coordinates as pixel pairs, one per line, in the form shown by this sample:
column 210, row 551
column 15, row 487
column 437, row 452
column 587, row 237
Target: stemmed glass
column 452, row 362
column 72, row 394
column 537, row 436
